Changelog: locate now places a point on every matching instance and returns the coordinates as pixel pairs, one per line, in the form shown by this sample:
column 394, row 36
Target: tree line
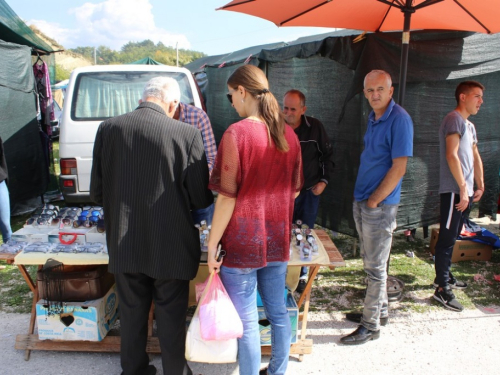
column 133, row 51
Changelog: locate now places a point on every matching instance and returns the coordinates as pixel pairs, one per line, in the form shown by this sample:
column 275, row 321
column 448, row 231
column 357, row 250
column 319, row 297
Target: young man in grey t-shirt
column 461, row 165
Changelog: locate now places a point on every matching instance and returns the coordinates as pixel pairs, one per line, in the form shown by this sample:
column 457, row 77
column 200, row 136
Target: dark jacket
column 148, row 172
column 317, row 152
column 4, row 173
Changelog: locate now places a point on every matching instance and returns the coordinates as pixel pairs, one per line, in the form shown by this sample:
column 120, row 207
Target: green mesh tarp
column 14, row 30
column 330, row 69
column 146, row 61
column 28, row 176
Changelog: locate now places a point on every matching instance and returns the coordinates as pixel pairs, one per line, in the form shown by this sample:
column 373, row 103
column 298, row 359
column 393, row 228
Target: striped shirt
column 197, row 117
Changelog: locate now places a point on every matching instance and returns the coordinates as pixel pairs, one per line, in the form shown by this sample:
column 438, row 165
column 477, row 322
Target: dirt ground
column 441, row 343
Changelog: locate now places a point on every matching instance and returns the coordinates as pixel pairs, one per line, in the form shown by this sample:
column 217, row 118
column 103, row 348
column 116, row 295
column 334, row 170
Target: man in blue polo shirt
column 388, row 144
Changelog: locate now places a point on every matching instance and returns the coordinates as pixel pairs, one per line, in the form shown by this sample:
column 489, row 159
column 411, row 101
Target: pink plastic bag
column 219, row 320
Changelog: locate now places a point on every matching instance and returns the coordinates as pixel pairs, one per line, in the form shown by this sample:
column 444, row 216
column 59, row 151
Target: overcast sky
column 192, row 24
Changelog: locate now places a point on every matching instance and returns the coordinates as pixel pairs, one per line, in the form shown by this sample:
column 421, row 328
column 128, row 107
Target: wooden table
column 111, row 344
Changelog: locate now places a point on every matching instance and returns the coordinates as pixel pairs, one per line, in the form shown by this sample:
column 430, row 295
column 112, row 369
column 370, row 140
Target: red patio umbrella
column 379, row 15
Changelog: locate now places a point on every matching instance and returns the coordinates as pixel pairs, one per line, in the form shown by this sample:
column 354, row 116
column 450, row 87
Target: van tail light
column 68, row 166
column 68, row 183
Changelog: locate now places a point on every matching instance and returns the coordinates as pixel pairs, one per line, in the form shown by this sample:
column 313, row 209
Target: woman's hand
column 213, row 265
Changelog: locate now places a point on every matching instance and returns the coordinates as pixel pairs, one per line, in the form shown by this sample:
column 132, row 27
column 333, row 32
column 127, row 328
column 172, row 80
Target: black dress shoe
column 356, row 318
column 263, row 371
column 301, row 286
column 360, row 336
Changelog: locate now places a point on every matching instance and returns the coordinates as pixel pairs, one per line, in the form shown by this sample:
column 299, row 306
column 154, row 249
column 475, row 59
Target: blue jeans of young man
column 451, row 222
column 203, row 214
column 375, row 227
column 5, row 212
column 306, row 209
column 241, row 285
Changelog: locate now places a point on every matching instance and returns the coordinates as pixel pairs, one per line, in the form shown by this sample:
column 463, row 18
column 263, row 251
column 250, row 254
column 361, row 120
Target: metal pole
column 177, row 51
column 405, row 40
column 95, row 58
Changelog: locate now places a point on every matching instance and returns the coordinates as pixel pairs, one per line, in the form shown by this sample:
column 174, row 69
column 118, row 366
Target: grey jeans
column 375, row 227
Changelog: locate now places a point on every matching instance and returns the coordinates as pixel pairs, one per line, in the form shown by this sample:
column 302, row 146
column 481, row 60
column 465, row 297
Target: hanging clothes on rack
column 42, row 83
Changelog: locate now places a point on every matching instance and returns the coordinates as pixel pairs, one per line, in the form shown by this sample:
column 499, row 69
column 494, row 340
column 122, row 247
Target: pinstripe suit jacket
column 148, row 172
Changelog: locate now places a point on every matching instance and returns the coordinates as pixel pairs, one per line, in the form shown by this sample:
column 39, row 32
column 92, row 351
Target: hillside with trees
column 133, row 51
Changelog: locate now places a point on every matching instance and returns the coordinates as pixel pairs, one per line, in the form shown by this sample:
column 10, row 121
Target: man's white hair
column 379, row 72
column 165, row 89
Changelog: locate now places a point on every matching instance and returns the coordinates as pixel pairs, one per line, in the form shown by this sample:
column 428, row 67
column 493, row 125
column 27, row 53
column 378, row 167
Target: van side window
column 102, row 95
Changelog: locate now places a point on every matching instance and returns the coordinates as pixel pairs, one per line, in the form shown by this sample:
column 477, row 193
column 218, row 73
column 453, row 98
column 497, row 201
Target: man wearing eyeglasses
column 317, row 152
column 148, row 172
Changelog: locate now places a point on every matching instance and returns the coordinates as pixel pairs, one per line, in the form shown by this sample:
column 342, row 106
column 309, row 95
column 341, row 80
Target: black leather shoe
column 263, row 371
column 301, row 286
column 360, row 336
column 356, row 318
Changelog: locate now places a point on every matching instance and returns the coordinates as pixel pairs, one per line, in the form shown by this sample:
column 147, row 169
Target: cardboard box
column 32, row 233
column 464, row 249
column 72, row 236
column 80, row 321
column 94, row 236
column 265, row 326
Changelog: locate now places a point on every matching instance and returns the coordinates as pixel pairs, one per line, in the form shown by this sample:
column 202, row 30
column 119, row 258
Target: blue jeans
column 203, row 214
column 375, row 227
column 241, row 285
column 5, row 212
column 306, row 209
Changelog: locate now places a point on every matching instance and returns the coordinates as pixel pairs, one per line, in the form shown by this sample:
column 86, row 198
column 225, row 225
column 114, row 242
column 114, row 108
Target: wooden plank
column 110, row 344
column 332, row 251
column 9, row 258
column 301, row 347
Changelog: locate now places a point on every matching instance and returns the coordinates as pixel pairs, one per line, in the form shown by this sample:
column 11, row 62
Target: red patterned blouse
column 264, row 182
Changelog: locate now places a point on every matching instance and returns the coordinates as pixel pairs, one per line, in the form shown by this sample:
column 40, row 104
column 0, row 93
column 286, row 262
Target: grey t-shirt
column 454, row 123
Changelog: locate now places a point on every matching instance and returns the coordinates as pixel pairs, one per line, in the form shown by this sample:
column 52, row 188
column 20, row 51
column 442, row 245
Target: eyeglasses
column 44, row 221
column 37, row 247
column 82, row 223
column 64, row 249
column 91, row 247
column 230, row 96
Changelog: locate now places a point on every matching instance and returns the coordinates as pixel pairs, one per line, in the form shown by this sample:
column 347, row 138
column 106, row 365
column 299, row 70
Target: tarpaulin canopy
column 14, row 30
column 330, row 71
column 28, row 177
column 146, row 61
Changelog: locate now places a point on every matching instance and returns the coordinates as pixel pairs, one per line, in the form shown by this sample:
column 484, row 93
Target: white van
column 95, row 94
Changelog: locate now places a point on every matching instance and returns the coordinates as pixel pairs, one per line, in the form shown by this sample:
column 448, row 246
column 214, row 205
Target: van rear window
column 101, row 95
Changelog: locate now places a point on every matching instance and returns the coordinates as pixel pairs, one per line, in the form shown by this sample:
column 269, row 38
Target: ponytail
column 255, row 83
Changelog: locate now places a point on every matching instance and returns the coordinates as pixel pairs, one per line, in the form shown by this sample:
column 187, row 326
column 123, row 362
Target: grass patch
column 343, row 289
column 15, row 295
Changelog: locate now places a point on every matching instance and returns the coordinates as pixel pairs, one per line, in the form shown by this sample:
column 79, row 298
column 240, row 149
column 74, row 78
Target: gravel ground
column 443, row 343
column 440, row 342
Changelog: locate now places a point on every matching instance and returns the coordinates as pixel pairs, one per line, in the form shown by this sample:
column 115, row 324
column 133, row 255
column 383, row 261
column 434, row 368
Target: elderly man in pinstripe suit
column 148, row 172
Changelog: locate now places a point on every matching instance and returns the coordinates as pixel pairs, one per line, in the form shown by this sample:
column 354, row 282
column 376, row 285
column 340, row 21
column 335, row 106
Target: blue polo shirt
column 387, row 138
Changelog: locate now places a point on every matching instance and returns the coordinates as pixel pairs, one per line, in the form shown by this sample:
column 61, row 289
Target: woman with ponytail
column 258, row 174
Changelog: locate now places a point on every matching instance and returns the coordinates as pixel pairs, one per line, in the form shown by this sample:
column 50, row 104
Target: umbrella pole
column 405, row 41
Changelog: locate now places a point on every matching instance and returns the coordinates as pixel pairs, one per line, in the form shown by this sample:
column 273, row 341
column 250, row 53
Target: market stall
column 328, row 255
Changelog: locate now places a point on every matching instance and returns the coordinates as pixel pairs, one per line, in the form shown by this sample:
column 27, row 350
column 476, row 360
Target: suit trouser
column 136, row 292
column 450, row 226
